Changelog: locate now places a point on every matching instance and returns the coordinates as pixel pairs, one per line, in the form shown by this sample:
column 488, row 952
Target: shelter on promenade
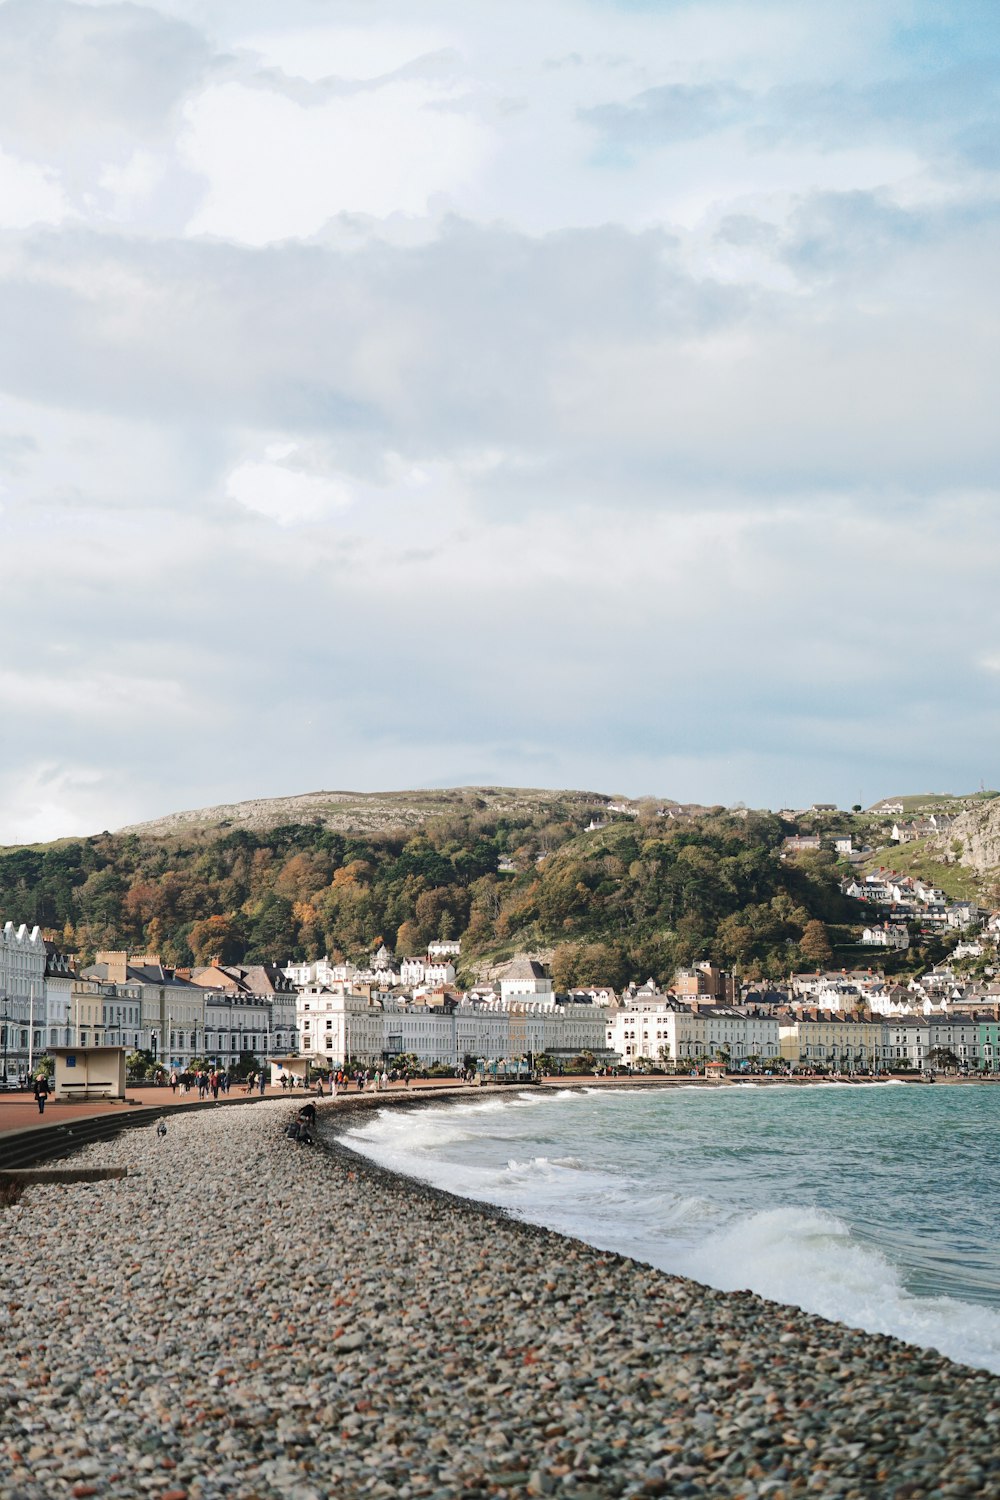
column 295, row 1068
column 88, row 1073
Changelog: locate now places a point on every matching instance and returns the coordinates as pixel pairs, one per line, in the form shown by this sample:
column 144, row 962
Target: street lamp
column 6, row 1017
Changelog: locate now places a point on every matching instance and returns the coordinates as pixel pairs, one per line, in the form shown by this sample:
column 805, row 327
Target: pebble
column 245, row 1318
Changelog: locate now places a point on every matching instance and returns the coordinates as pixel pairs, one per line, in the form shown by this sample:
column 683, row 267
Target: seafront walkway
column 18, row 1110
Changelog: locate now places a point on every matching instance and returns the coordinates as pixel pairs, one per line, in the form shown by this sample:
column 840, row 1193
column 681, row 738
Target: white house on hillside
column 525, row 977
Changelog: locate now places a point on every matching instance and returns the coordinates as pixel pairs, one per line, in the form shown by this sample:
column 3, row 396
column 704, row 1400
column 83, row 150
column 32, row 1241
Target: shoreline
column 246, row 1317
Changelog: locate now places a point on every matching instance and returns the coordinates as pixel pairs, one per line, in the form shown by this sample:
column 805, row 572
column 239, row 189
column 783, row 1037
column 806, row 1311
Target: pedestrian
column 41, row 1092
column 173, row 1083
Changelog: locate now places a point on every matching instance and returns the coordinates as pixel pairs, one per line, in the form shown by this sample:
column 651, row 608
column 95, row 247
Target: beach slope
column 243, row 1316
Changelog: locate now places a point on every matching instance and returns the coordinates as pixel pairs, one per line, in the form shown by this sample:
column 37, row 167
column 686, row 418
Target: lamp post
column 6, row 1018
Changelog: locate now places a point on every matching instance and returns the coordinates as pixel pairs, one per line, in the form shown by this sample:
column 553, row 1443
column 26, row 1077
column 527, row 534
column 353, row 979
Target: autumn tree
column 814, row 944
column 215, row 937
column 408, row 941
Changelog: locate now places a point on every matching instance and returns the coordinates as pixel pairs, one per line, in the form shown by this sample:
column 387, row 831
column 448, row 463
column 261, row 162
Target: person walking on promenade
column 41, row 1092
column 173, row 1083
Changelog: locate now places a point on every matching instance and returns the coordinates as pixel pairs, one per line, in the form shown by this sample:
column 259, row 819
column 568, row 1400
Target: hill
column 366, row 812
column 914, row 803
column 504, row 869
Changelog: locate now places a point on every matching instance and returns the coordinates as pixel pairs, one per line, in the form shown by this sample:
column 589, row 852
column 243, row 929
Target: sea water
column 875, row 1204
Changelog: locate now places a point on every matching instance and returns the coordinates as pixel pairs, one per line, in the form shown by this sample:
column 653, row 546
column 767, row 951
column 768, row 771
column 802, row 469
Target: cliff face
column 977, row 830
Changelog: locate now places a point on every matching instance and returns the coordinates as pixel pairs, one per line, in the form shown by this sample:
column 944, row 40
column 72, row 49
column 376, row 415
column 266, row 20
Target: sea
column 874, row 1204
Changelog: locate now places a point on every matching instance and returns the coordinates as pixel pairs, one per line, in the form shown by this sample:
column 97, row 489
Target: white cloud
column 356, row 52
column 286, row 495
column 29, row 194
column 50, row 800
column 371, row 153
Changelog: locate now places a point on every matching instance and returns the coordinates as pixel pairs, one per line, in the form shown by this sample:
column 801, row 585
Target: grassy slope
column 916, row 802
column 958, row 882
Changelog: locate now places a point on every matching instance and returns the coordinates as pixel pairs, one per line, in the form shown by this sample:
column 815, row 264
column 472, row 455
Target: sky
column 588, row 394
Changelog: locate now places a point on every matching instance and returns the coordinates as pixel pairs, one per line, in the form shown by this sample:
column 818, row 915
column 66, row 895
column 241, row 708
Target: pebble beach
column 244, row 1316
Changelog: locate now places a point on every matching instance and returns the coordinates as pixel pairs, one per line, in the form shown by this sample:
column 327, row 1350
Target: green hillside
column 634, row 898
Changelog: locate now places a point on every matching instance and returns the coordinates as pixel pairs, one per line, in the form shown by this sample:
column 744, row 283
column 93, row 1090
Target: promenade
column 18, row 1110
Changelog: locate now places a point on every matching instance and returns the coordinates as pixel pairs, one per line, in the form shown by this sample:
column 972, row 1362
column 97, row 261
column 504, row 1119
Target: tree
column 584, row 1062
column 408, row 940
column 215, row 937
column 815, row 945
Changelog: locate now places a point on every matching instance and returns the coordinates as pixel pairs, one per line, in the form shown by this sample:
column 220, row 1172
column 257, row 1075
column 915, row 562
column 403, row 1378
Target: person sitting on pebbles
column 300, row 1129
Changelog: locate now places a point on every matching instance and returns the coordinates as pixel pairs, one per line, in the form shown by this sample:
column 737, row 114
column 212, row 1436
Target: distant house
column 886, row 936
column 524, row 977
column 844, row 844
column 800, row 843
column 823, row 807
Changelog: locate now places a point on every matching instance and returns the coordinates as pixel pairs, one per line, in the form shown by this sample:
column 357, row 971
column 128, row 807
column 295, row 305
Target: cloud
column 283, row 494
column 29, row 194
column 367, row 153
column 484, row 419
column 67, row 69
column 590, row 350
column 670, row 113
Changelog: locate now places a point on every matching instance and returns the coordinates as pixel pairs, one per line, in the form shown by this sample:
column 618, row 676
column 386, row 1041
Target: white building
column 58, row 999
column 524, row 978
column 22, row 997
column 427, row 972
column 338, row 1026
column 319, row 971
column 886, row 936
column 444, row 948
column 673, row 1032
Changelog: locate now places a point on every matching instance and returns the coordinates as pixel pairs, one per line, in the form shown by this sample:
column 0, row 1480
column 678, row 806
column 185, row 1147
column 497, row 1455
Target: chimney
column 117, row 962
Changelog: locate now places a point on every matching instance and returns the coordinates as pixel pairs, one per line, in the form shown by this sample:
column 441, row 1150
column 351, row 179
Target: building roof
column 524, row 968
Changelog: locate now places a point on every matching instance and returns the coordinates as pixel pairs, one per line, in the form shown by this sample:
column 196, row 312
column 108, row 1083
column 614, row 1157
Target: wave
column 813, row 1260
column 680, row 1185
